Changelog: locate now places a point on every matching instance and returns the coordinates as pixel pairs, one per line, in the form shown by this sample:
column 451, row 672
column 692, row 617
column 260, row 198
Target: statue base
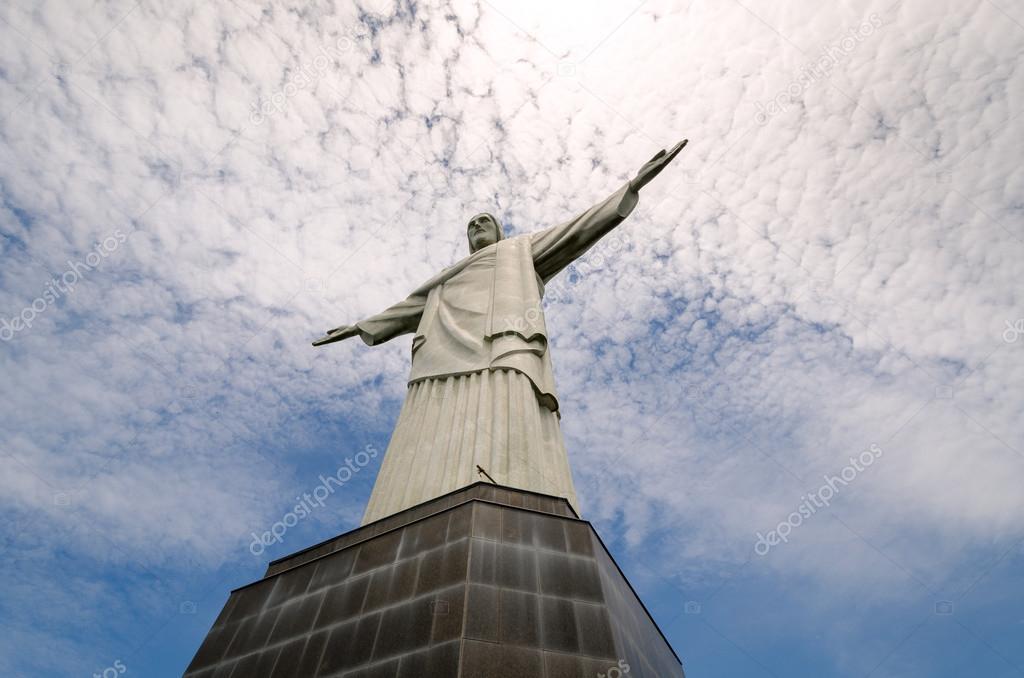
column 487, row 581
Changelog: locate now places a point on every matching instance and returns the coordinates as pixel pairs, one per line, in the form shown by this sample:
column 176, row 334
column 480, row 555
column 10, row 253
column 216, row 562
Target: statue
column 481, row 397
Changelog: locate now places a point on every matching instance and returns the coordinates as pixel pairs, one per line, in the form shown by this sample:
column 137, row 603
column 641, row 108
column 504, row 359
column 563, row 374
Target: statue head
column 483, row 230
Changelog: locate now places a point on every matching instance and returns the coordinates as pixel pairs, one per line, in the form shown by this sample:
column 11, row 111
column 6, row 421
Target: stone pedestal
column 484, row 582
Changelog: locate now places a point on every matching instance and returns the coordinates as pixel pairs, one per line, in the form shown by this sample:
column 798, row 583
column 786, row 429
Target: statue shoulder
column 521, row 240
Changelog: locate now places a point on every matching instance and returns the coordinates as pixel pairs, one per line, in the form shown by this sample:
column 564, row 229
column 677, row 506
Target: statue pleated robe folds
column 481, row 391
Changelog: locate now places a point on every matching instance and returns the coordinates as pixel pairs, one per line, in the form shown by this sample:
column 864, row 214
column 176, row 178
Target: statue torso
column 467, row 325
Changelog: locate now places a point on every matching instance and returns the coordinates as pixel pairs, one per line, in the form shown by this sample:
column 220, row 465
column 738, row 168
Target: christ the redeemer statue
column 481, row 396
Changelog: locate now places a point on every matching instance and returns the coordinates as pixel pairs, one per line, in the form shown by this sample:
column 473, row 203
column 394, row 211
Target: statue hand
column 337, row 334
column 654, row 166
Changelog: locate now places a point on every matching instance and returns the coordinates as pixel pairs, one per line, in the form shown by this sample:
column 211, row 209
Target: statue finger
column 678, row 147
column 657, row 156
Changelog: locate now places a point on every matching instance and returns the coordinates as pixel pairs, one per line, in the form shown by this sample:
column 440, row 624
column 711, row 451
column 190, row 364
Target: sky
column 786, row 381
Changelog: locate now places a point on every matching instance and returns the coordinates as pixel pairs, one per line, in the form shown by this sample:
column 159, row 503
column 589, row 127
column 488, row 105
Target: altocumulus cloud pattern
column 824, row 291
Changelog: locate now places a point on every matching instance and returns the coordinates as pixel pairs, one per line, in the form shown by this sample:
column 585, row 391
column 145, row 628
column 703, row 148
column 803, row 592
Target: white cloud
column 785, row 295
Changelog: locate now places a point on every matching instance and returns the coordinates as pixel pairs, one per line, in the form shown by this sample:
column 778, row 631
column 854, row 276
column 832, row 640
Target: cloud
column 792, row 290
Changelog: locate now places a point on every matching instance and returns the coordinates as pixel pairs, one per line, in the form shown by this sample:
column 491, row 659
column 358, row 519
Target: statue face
column 482, row 231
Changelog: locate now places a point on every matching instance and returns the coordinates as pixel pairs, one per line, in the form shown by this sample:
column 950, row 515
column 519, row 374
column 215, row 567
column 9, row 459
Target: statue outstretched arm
column 402, row 318
column 557, row 247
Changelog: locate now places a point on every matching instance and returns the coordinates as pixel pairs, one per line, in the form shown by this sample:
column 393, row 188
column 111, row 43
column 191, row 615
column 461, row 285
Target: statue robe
column 481, row 389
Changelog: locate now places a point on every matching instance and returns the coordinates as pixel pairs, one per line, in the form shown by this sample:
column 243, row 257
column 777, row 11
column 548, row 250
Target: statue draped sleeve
column 405, row 316
column 401, row 318
column 556, row 247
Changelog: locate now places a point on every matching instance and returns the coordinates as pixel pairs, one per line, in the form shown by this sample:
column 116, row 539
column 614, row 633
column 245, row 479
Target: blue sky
column 829, row 273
